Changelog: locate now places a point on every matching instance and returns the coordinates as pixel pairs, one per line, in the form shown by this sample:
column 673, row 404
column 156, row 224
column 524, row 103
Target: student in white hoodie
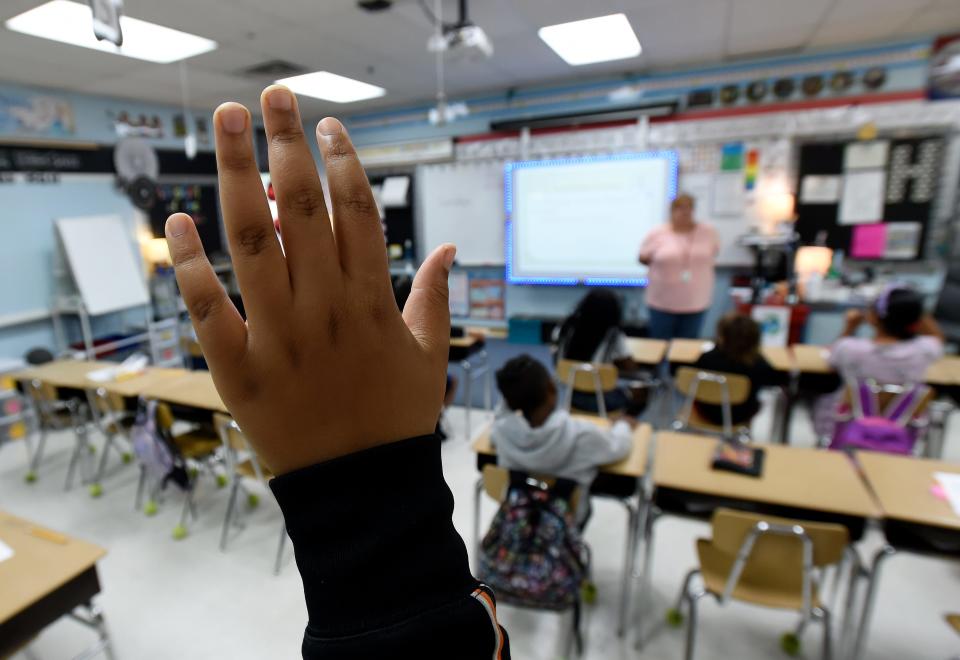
column 532, row 435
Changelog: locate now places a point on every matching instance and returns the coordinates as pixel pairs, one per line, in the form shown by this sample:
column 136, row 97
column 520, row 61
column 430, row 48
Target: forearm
column 929, row 326
column 383, row 567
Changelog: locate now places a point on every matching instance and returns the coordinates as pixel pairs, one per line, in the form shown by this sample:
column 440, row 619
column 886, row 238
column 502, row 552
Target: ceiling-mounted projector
column 470, row 40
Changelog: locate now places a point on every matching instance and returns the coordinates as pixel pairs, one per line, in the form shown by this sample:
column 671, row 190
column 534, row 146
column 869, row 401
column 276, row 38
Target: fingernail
column 449, row 256
column 177, row 225
column 280, row 99
column 329, row 127
column 233, row 118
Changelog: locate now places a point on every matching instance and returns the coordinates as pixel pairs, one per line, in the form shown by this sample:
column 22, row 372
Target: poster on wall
column 487, row 298
column 774, row 324
column 862, row 198
column 36, row 114
column 944, row 76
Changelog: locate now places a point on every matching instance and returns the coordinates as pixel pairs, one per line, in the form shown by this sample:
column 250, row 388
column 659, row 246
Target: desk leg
column 487, row 383
column 477, row 497
column 94, row 619
column 629, row 560
column 650, row 518
column 789, row 401
column 869, row 599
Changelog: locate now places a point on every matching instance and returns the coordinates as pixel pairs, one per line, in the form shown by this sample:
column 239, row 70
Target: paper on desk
column 950, row 481
column 5, row 551
column 129, row 367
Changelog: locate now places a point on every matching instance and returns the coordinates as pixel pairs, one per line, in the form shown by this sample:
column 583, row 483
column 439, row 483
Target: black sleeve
column 384, row 572
column 767, row 376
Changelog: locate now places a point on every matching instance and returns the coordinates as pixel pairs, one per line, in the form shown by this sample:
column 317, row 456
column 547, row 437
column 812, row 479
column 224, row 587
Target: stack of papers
column 950, row 482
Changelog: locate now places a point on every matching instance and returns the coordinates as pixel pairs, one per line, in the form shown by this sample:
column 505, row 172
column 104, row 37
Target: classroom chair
column 595, row 378
column 114, row 421
column 768, row 561
column 713, row 388
column 54, row 414
column 242, row 463
column 496, row 484
column 953, row 620
column 199, row 449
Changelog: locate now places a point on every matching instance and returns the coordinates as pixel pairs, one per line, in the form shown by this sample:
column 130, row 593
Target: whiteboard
column 462, row 203
column 582, row 220
column 104, row 267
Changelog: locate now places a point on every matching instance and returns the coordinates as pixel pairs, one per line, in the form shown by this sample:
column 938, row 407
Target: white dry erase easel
column 96, row 272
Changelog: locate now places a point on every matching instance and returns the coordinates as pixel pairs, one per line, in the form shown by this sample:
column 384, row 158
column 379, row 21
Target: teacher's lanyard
column 685, row 274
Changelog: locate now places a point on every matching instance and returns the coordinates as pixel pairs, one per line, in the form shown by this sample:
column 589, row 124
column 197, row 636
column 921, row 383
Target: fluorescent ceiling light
column 592, row 40
column 331, row 87
column 72, row 23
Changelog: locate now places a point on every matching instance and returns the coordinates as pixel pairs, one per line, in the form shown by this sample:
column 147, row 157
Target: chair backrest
column 708, row 386
column 235, row 443
column 779, row 551
column 164, row 417
column 104, row 402
column 885, row 394
column 584, row 376
column 496, row 484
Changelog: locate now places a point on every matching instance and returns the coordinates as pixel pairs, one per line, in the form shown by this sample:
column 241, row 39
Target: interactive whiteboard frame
column 673, row 168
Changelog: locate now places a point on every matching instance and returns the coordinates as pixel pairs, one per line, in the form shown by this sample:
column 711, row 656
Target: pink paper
column 869, row 241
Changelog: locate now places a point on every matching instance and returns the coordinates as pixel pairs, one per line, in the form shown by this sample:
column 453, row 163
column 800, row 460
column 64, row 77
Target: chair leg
column 692, row 605
column 628, row 565
column 141, row 483
column 827, row 634
column 78, row 448
column 283, row 540
column 477, row 497
column 228, row 518
column 38, row 455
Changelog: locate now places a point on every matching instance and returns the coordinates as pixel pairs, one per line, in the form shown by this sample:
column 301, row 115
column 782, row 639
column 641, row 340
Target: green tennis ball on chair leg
column 221, row 480
column 96, row 490
column 253, row 500
column 674, row 617
column 127, row 457
column 30, row 477
column 150, row 508
column 179, row 532
column 790, row 644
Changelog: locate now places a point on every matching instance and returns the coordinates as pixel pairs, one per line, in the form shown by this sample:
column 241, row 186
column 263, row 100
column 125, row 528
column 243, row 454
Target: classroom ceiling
column 389, row 48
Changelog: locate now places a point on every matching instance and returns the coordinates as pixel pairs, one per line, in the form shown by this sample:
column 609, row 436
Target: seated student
column 592, row 333
column 359, row 477
column 542, row 439
column 737, row 351
column 905, row 343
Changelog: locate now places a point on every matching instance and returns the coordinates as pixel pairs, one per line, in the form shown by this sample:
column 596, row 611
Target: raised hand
column 325, row 365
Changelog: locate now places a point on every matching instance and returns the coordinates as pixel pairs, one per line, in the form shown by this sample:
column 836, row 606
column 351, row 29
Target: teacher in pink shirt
column 681, row 256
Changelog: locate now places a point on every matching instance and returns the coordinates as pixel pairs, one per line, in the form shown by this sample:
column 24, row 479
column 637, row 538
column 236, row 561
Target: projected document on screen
column 582, row 220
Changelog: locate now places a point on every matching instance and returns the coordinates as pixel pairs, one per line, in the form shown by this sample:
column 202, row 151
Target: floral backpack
column 533, row 554
column 868, row 427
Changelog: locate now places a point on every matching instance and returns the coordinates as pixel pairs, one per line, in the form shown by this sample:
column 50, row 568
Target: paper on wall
column 903, row 240
column 950, row 482
column 394, row 191
column 820, row 189
column 866, row 155
column 728, row 195
column 868, row 241
column 862, row 198
column 700, row 187
column 774, row 322
column 459, row 286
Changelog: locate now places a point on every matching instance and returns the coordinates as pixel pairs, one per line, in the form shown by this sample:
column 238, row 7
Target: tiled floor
column 185, row 599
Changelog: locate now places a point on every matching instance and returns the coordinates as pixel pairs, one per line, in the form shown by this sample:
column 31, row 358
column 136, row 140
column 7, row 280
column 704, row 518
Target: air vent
column 275, row 69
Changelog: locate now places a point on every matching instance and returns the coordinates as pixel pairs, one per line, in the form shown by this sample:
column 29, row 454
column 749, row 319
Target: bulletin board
column 872, row 199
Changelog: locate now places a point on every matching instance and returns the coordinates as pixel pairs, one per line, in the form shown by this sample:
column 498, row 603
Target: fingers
column 258, row 262
column 356, row 221
column 307, row 237
column 220, row 329
column 427, row 312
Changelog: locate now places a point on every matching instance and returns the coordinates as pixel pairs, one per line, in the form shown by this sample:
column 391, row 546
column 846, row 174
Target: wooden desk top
column 779, row 357
column 134, row 385
column 43, row 561
column 800, row 477
column 647, row 351
column 464, row 342
column 193, row 390
column 64, row 373
column 634, row 465
column 811, row 359
column 687, row 351
column 945, row 371
column 902, row 486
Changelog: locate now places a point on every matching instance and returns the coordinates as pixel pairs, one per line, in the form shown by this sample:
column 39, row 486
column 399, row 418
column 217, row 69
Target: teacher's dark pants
column 669, row 325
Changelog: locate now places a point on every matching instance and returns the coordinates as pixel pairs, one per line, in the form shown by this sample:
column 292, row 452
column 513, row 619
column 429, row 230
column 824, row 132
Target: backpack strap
column 903, row 407
column 863, row 398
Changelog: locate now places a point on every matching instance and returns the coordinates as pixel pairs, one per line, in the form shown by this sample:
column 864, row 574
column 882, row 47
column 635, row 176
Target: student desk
column 49, row 576
column 647, row 351
column 622, row 480
column 469, row 352
column 133, row 386
column 64, row 374
column 796, row 482
column 195, row 390
column 914, row 519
